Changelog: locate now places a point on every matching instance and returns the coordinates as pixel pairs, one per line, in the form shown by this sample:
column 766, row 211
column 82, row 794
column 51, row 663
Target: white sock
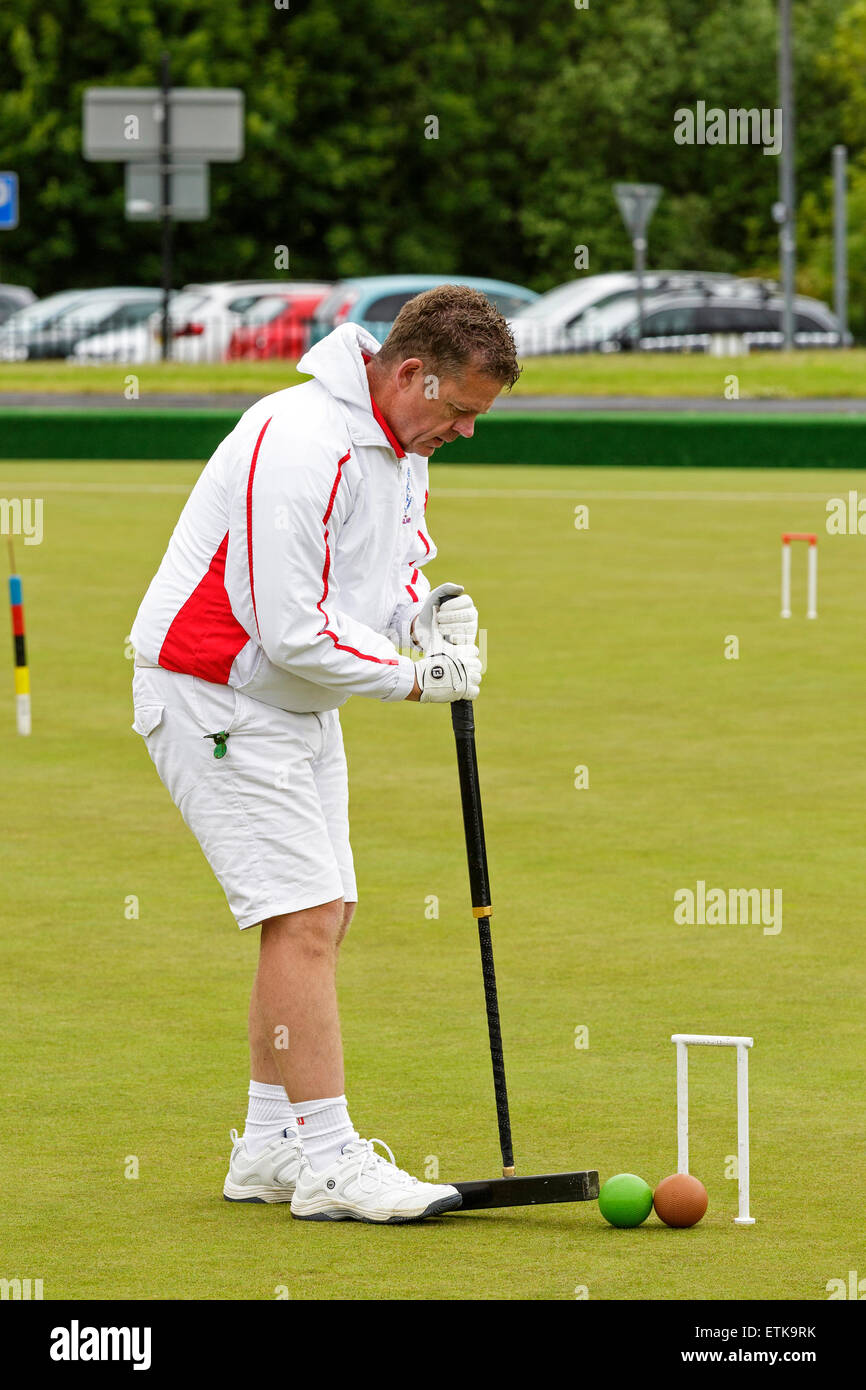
column 269, row 1113
column 324, row 1127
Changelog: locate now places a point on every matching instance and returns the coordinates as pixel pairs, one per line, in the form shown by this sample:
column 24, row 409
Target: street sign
column 166, row 137
column 8, row 202
column 189, row 192
column 637, row 203
column 125, row 123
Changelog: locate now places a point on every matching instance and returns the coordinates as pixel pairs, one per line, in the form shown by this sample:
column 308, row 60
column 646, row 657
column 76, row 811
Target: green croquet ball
column 625, row 1200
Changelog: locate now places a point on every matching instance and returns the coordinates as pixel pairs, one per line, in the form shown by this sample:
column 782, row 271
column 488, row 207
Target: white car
column 202, row 321
column 571, row 318
column 204, row 317
column 134, row 345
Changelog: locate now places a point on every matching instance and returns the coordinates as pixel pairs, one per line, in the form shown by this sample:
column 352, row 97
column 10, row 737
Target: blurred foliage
column 539, row 108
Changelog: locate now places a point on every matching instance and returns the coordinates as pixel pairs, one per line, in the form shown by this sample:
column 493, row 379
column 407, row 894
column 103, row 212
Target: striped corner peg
column 22, row 671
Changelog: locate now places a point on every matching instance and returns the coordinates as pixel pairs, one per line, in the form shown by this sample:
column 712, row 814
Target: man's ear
column 407, row 372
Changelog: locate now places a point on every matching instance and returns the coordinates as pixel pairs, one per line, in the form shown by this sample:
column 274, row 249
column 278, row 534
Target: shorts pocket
column 147, row 718
column 216, row 707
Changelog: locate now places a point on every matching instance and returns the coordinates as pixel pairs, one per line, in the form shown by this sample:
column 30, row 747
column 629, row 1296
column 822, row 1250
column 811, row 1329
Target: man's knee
column 316, row 930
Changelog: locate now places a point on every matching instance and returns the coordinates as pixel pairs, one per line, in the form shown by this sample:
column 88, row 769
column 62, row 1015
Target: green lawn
column 762, row 375
column 126, row 1038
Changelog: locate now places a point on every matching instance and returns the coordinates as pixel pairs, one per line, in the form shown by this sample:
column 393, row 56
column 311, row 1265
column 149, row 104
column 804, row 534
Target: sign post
column 166, row 136
column 637, row 203
column 188, row 192
column 840, row 240
column 165, row 178
column 785, row 213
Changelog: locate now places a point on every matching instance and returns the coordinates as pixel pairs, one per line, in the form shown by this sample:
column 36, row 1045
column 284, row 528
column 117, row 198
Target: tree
column 535, row 109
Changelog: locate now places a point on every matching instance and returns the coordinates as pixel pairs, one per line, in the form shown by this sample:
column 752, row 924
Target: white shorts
column 272, row 814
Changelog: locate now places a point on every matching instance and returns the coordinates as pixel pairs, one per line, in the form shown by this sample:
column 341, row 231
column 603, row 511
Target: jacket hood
column 338, row 364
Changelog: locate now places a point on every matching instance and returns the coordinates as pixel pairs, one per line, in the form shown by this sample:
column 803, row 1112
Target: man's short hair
column 450, row 328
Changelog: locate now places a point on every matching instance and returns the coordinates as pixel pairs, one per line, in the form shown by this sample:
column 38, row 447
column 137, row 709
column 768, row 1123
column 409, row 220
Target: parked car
column 13, row 298
column 567, row 318
column 688, row 322
column 18, row 329
column 50, row 328
column 204, row 317
column 132, row 345
column 278, row 325
column 374, row 301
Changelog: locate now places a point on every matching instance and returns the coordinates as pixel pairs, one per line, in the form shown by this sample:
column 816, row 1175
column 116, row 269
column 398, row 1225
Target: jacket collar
column 338, row 363
column 386, row 430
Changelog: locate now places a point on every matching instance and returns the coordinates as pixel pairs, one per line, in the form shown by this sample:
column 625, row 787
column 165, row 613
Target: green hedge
column 687, row 440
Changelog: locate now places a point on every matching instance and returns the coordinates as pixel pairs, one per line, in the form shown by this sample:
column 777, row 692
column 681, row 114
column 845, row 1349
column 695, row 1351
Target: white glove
column 449, row 612
column 444, row 677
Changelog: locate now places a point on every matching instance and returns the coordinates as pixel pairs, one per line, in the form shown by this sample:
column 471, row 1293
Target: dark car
column 52, row 327
column 689, row 322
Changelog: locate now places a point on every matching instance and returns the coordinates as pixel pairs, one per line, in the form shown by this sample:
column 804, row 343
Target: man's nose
column 465, row 427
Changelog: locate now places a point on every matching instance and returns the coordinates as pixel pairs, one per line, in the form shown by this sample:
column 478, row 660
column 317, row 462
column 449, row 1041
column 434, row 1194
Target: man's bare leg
column 295, row 992
column 319, row 1168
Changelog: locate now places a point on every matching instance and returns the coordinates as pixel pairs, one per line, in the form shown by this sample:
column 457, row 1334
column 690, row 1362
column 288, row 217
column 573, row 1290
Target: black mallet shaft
column 463, row 721
column 507, row 1191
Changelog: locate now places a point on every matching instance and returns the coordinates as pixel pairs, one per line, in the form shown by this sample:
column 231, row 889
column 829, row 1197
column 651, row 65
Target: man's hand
column 449, row 613
column 445, row 677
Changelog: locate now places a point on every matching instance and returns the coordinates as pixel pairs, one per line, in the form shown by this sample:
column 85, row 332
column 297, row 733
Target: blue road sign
column 8, row 202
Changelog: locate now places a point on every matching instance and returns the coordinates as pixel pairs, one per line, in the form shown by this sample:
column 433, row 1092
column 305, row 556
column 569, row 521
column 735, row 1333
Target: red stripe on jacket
column 250, row 519
column 205, row 636
column 326, row 631
column 387, row 431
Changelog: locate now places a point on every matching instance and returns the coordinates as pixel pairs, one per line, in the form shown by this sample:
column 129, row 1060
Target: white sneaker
column 270, row 1176
column 363, row 1186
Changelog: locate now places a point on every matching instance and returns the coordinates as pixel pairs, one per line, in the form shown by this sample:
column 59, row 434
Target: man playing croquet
column 292, row 581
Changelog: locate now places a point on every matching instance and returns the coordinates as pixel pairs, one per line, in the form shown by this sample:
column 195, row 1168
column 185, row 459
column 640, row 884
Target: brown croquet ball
column 680, row 1200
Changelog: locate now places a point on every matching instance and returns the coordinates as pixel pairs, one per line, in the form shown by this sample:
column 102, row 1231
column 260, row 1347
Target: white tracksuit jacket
column 295, row 567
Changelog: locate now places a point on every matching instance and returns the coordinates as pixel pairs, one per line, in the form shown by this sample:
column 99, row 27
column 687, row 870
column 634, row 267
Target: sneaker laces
column 374, row 1163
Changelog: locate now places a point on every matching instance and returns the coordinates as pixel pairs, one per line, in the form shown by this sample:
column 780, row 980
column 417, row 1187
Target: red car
column 277, row 325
